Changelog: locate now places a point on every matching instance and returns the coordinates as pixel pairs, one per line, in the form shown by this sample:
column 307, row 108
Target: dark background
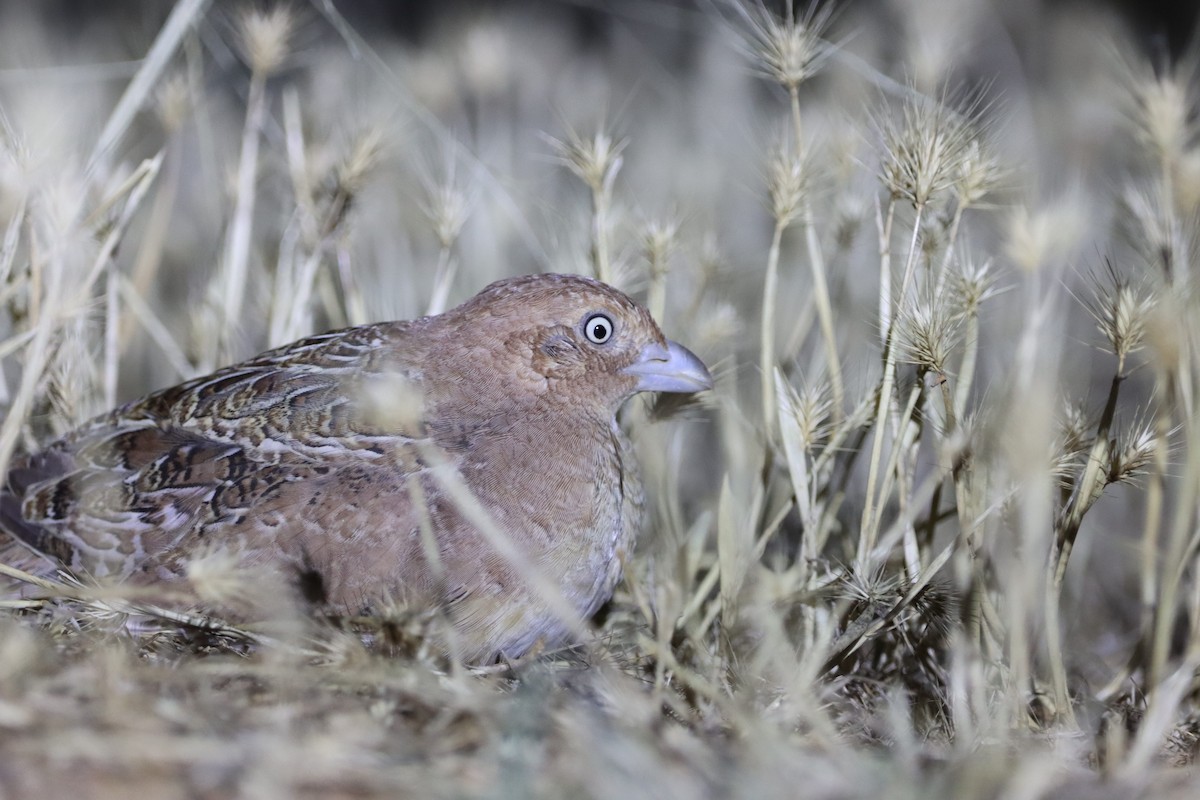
column 1162, row 26
column 1165, row 29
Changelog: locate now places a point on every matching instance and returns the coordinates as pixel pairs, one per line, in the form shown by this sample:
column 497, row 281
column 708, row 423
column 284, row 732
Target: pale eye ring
column 598, row 329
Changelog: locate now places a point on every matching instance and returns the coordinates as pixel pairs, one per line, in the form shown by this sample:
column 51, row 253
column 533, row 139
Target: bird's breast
column 570, row 495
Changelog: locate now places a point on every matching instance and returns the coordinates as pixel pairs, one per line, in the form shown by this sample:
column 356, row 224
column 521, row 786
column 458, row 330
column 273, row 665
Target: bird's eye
column 598, row 328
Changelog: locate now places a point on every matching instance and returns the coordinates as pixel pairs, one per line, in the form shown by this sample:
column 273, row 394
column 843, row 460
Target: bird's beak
column 673, row 368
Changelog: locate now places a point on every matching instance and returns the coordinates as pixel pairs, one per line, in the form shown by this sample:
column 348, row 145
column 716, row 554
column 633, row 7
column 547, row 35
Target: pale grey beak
column 673, row 368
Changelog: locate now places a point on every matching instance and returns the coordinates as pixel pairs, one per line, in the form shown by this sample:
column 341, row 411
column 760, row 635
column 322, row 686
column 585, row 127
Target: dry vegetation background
column 935, row 534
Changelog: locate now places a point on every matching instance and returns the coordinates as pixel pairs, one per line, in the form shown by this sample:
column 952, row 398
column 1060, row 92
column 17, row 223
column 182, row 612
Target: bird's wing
column 130, row 486
column 326, row 391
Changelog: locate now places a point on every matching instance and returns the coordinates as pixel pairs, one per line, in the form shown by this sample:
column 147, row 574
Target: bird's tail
column 22, row 475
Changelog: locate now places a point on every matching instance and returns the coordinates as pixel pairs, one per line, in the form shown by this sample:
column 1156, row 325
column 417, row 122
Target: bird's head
column 570, row 337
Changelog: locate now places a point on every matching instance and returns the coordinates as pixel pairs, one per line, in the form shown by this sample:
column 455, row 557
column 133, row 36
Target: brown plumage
column 320, row 461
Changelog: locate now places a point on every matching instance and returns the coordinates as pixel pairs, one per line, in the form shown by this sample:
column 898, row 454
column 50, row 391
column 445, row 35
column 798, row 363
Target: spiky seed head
column 1126, row 324
column 220, row 576
column 933, row 234
column 972, row 283
column 1073, row 428
column 1120, row 312
column 979, row 172
column 1039, row 237
column 710, row 259
column 789, row 50
column 924, row 150
column 719, row 325
column 1154, row 226
column 1165, row 119
column 73, row 388
column 171, row 102
column 60, row 206
column 788, row 180
column 265, row 36
column 871, row 588
column 1166, row 329
column 810, row 407
column 389, row 401
column 1072, row 442
column 595, row 161
column 850, row 211
column 658, row 240
column 927, row 334
column 447, row 207
column 361, row 159
column 1131, row 452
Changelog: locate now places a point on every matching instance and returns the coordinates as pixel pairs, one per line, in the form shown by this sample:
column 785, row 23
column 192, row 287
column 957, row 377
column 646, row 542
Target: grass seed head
column 1131, row 452
column 265, row 37
column 719, row 324
column 979, row 173
column 595, row 161
column 927, row 334
column 74, row 379
column 1040, row 237
column 1165, row 118
column 788, row 181
column 363, row 157
column 172, row 102
column 659, row 238
column 788, row 50
column 1120, row 311
column 1072, row 442
column 1166, row 331
column 220, row 576
column 972, row 283
column 811, row 407
column 447, row 205
column 924, row 150
column 851, row 210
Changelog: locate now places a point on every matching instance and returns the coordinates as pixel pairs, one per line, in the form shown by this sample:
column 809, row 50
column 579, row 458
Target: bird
column 462, row 462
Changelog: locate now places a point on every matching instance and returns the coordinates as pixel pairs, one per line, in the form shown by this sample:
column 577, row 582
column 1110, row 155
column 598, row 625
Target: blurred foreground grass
column 936, row 532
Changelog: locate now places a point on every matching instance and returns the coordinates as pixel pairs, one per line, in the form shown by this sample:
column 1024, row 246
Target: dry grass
column 935, row 534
